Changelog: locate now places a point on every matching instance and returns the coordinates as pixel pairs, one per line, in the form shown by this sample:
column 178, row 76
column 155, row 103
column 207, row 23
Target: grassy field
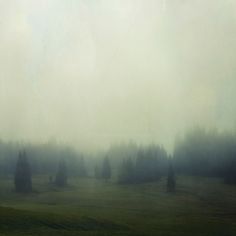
column 201, row 206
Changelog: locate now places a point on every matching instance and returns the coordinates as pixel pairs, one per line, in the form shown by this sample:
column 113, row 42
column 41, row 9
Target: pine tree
column 171, row 179
column 61, row 177
column 23, row 183
column 106, row 169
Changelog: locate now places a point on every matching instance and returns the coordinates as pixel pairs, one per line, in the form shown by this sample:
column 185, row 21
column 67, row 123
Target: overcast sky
column 95, row 72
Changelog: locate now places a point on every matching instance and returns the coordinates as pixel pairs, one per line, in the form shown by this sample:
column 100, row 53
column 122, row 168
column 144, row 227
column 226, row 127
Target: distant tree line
column 149, row 164
column 23, row 176
column 206, row 153
column 43, row 159
column 199, row 152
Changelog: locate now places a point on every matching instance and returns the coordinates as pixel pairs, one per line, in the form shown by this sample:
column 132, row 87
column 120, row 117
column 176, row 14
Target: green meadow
column 200, row 206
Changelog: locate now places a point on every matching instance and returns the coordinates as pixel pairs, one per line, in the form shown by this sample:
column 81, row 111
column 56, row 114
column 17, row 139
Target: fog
column 94, row 73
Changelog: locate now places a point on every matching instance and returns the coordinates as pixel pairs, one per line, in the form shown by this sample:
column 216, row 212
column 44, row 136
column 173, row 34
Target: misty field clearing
column 200, row 206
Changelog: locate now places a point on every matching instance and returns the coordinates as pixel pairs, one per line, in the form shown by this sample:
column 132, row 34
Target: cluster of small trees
column 131, row 173
column 149, row 165
column 23, row 180
column 148, row 168
column 207, row 153
column 200, row 152
column 44, row 158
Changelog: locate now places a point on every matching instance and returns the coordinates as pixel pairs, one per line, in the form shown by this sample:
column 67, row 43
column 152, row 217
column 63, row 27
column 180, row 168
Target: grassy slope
column 201, row 206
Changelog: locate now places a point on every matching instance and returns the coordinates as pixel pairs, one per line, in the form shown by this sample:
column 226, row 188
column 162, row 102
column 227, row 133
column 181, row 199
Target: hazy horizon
column 95, row 73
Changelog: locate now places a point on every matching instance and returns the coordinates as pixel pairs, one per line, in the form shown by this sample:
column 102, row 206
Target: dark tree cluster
column 44, row 159
column 22, row 178
column 148, row 165
column 58, row 176
column 207, row 153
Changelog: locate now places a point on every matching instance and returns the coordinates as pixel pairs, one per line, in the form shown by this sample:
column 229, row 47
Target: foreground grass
column 201, row 206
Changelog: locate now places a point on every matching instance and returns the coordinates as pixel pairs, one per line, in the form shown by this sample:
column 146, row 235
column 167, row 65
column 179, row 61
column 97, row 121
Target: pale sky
column 95, row 72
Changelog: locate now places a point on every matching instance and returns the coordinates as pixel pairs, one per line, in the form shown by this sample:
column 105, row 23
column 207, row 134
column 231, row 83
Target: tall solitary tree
column 61, row 176
column 23, row 183
column 106, row 169
column 171, row 179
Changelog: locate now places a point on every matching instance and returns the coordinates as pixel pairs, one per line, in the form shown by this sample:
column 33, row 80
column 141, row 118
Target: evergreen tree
column 61, row 177
column 106, row 169
column 23, row 183
column 171, row 179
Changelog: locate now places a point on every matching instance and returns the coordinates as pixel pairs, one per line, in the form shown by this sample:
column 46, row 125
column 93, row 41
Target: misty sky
column 95, row 72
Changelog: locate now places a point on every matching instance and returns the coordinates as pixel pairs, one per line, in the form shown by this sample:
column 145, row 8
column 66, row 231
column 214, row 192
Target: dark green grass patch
column 12, row 221
column 200, row 207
